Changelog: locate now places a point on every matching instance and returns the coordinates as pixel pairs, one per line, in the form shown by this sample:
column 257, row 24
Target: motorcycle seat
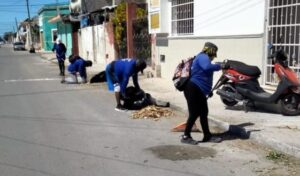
column 243, row 68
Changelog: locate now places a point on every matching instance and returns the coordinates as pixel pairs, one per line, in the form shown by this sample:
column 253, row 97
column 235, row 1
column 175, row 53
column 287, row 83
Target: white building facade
column 241, row 29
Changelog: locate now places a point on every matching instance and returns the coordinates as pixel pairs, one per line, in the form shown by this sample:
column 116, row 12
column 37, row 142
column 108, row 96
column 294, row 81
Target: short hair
column 140, row 65
column 72, row 58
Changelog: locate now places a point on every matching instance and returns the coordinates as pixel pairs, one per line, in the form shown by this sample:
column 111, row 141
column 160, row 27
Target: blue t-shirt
column 78, row 66
column 60, row 50
column 202, row 72
column 123, row 70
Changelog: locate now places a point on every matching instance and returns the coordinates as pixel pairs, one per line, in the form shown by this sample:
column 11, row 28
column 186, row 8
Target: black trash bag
column 98, row 78
column 138, row 99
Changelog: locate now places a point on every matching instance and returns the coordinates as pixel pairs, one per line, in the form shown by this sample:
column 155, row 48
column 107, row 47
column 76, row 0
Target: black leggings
column 61, row 64
column 197, row 106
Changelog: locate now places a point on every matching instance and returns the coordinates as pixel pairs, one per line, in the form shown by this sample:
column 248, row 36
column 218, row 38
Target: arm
column 206, row 64
column 64, row 48
column 54, row 47
column 124, row 84
column 135, row 81
column 82, row 70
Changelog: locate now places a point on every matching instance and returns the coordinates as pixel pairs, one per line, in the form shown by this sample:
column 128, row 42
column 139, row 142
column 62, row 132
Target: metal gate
column 141, row 40
column 283, row 31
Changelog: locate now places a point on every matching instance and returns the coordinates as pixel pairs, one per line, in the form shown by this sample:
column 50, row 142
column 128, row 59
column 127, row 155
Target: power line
column 21, row 5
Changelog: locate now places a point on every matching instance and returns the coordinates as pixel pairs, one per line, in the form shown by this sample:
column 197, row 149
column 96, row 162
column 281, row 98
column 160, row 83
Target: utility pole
column 17, row 32
column 31, row 50
column 57, row 9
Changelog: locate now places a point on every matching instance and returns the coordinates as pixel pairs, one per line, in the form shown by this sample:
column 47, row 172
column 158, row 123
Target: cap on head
column 58, row 40
column 210, row 49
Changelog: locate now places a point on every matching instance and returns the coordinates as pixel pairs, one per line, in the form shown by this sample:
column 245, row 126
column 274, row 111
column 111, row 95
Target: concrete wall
column 237, row 27
column 46, row 28
column 96, row 44
column 248, row 49
column 228, row 17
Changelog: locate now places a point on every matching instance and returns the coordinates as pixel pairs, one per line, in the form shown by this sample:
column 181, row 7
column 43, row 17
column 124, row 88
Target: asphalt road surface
column 52, row 129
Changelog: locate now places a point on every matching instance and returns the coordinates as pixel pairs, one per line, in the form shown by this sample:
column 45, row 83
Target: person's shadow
column 236, row 132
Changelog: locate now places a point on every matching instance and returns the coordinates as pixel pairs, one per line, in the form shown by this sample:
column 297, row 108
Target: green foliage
column 275, row 156
column 119, row 21
column 140, row 13
column 7, row 35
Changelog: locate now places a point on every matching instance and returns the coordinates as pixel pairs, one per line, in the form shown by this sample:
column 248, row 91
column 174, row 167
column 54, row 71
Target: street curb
column 277, row 145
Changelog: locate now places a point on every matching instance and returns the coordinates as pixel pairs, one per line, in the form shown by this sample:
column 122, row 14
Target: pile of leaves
column 152, row 112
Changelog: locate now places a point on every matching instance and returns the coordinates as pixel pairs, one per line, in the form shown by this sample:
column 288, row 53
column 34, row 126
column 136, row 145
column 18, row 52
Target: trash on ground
column 152, row 112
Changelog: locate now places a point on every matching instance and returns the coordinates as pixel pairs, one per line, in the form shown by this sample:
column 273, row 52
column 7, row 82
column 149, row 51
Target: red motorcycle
column 239, row 83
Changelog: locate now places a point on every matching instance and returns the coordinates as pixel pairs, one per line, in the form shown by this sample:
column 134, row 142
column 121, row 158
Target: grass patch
column 275, row 156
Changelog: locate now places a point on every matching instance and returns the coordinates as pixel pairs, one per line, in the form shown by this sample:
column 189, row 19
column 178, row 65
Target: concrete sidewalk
column 265, row 125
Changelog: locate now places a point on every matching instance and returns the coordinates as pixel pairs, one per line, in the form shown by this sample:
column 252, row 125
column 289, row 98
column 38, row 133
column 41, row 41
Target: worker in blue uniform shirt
column 60, row 50
column 78, row 65
column 118, row 74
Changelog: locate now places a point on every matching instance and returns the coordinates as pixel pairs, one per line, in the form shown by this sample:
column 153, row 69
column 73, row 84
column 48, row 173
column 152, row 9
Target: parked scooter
column 239, row 83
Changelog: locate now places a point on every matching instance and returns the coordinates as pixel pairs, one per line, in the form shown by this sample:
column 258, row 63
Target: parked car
column 19, row 46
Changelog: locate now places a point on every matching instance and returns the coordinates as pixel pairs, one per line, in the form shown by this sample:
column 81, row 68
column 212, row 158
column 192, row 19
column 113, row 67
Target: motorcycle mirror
column 271, row 46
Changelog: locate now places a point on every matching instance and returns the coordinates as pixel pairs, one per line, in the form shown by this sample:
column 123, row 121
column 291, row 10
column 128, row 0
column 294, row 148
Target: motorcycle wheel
column 290, row 104
column 226, row 101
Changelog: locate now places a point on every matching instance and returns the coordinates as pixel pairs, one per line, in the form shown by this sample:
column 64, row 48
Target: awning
column 61, row 18
column 55, row 19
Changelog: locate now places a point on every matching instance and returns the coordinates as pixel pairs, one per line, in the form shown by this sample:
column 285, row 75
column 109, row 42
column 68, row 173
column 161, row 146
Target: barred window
column 284, row 33
column 182, row 17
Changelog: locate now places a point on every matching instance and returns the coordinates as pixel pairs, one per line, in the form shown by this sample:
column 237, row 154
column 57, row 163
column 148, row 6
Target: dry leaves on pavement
column 152, row 112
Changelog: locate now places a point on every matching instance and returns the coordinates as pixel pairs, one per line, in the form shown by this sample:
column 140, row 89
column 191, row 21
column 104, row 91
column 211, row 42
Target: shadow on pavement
column 236, row 132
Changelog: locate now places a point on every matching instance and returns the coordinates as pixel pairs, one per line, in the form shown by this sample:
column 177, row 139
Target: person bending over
column 118, row 73
column 78, row 65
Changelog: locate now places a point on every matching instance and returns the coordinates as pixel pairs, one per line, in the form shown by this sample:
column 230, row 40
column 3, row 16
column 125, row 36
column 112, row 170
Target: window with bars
column 182, row 17
column 284, row 33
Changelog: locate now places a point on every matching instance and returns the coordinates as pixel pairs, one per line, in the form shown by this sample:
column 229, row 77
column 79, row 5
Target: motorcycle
column 239, row 83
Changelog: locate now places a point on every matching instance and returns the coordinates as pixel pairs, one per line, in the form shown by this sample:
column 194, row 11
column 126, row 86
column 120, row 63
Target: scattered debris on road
column 152, row 112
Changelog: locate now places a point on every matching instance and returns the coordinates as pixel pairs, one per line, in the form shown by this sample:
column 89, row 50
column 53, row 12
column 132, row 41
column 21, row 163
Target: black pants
column 61, row 64
column 197, row 106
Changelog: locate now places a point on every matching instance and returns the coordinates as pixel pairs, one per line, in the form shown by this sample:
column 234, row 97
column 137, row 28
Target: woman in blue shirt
column 196, row 91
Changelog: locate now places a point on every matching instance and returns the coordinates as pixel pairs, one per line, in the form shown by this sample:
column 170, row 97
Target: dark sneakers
column 213, row 139
column 120, row 108
column 188, row 140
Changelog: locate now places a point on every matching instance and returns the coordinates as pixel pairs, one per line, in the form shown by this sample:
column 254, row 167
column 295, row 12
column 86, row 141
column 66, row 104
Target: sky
column 10, row 10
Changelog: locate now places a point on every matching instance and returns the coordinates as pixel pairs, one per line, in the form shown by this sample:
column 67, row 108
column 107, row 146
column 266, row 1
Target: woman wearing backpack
column 197, row 89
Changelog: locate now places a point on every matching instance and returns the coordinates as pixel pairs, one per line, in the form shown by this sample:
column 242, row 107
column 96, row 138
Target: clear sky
column 17, row 9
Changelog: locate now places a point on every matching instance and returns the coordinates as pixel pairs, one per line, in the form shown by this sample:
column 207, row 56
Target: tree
column 8, row 36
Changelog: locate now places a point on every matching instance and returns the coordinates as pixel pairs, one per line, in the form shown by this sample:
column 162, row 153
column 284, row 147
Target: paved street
column 53, row 129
